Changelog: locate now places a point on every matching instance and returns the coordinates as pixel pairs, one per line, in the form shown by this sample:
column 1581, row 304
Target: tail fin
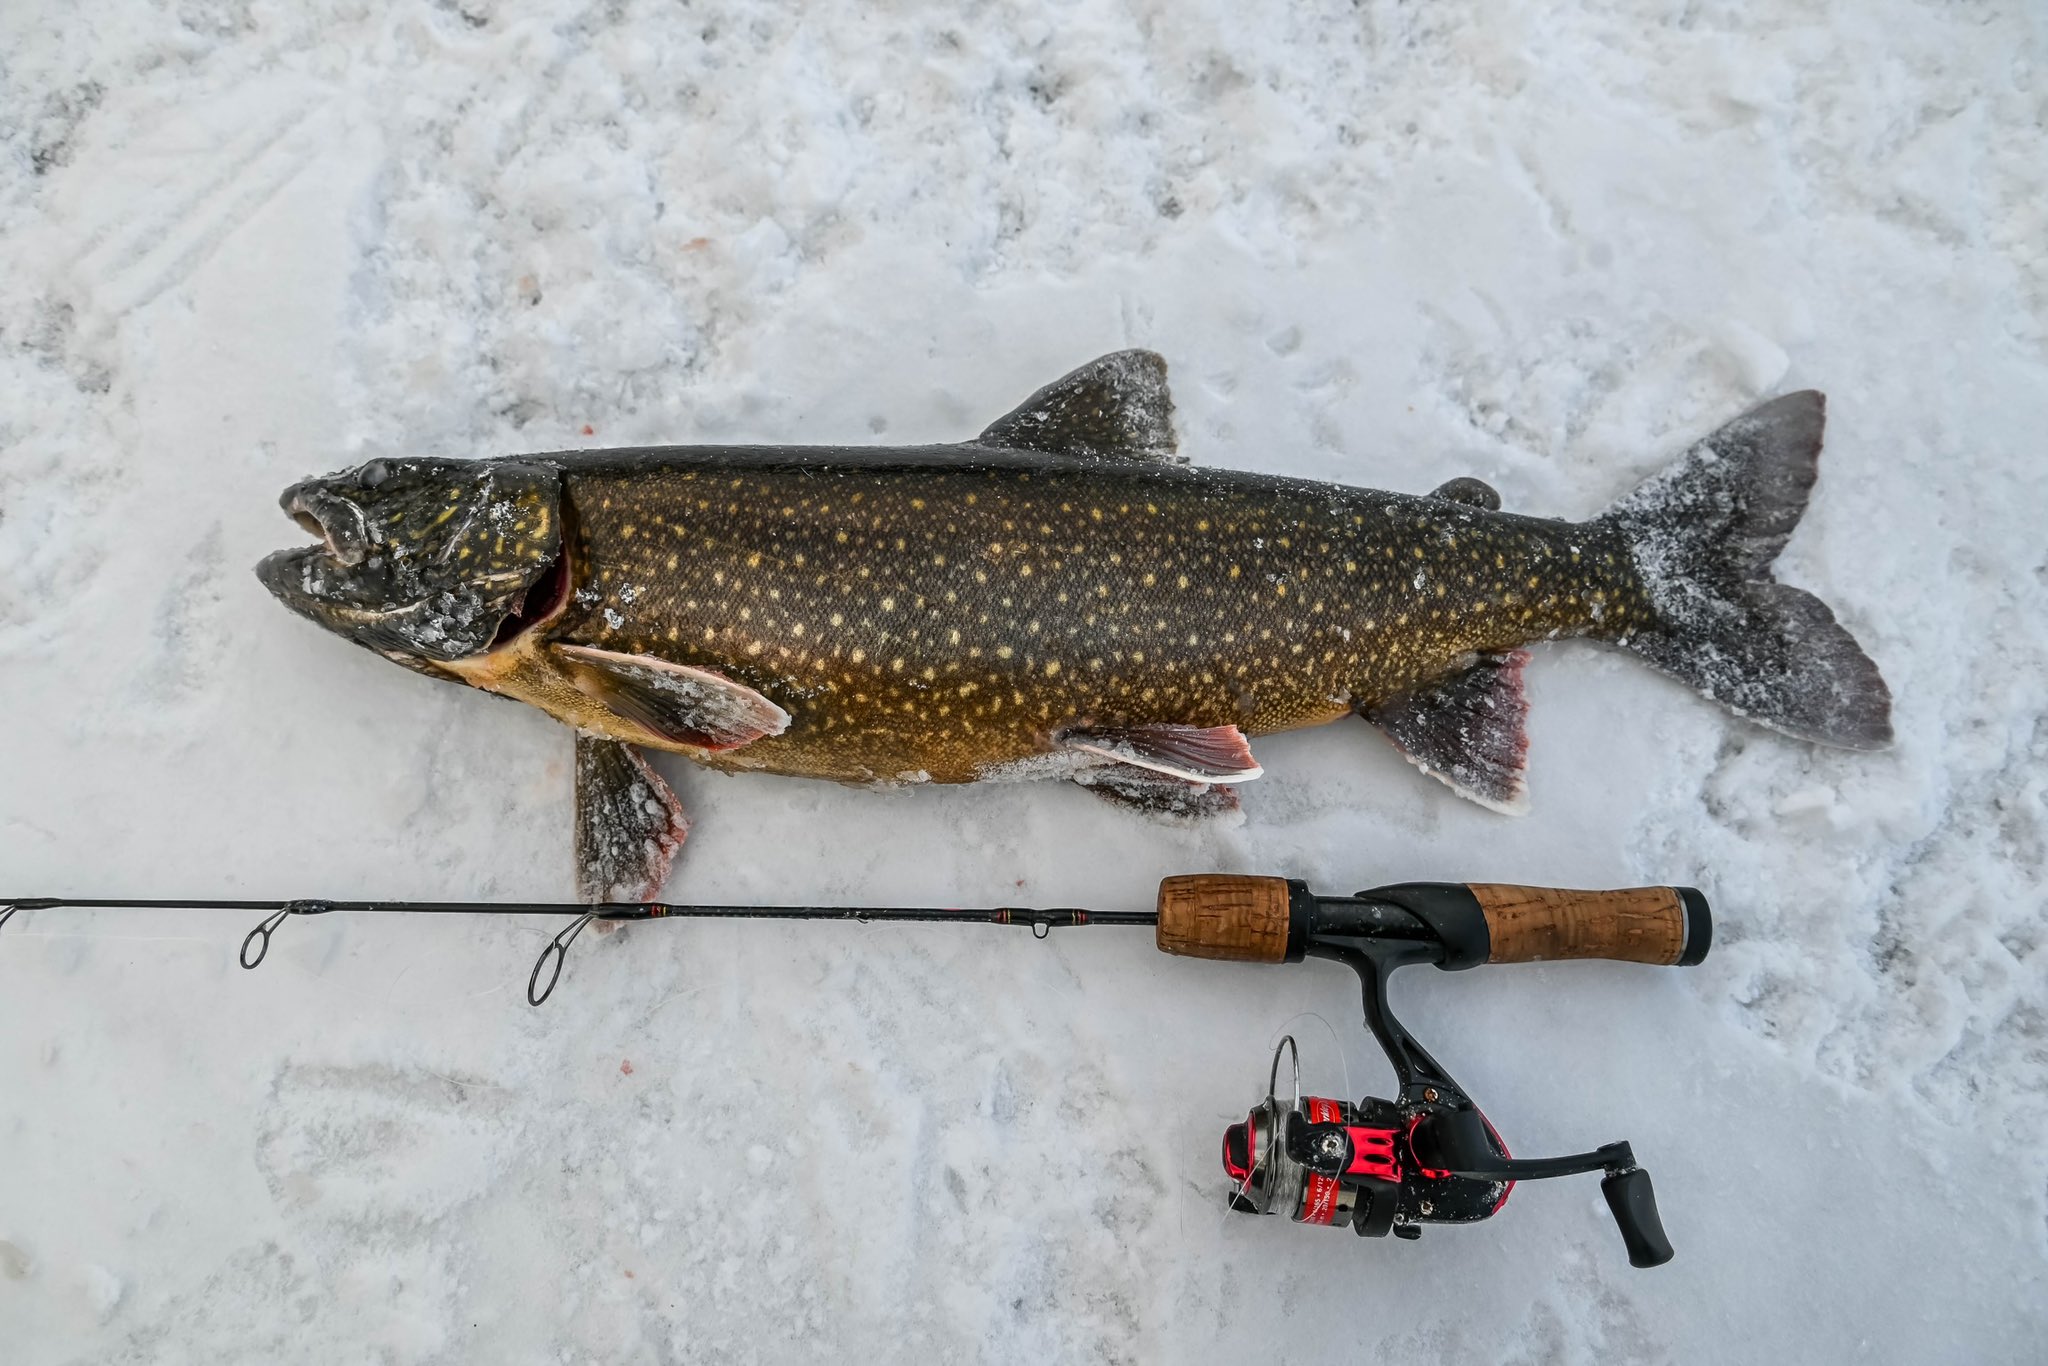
column 1704, row 533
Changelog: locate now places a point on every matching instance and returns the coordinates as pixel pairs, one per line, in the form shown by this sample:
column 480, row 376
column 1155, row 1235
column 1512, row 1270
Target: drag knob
column 1237, row 1151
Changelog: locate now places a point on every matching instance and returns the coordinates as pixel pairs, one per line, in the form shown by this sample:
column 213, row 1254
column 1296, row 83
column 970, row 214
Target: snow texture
column 1548, row 245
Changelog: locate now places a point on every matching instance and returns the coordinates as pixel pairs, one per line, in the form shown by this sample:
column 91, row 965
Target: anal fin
column 1156, row 795
column 629, row 825
column 1194, row 754
column 1467, row 730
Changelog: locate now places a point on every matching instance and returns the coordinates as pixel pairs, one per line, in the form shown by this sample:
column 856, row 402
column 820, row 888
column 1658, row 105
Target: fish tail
column 1703, row 535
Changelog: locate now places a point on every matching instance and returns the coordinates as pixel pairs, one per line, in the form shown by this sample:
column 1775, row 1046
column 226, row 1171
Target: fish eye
column 373, row 474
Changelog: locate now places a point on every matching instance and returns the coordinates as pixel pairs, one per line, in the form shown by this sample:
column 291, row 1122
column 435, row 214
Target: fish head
column 425, row 560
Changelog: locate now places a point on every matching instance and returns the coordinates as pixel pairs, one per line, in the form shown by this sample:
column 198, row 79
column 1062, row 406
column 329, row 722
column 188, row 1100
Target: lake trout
column 1060, row 597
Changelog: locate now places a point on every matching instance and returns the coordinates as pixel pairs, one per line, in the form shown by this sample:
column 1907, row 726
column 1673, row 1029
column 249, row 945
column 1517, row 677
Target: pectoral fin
column 629, row 824
column 672, row 702
column 1115, row 407
column 1467, row 731
column 1190, row 753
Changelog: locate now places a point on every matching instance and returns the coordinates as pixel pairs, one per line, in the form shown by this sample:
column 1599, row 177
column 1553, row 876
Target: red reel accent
column 1319, row 1199
column 1373, row 1153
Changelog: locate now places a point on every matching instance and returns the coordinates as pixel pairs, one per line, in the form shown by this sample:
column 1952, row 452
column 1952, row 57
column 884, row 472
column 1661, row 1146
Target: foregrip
column 1225, row 915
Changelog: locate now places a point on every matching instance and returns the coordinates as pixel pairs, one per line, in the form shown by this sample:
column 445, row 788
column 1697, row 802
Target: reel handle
column 1248, row 919
column 1633, row 1203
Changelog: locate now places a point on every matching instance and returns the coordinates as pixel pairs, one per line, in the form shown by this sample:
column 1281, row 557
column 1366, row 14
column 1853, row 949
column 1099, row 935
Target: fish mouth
column 331, row 519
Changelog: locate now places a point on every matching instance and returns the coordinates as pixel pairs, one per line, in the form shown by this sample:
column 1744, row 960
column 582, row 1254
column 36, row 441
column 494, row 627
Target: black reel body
column 1333, row 1163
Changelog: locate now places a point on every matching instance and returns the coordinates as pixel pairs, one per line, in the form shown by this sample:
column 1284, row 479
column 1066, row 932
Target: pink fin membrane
column 629, row 825
column 675, row 702
column 1467, row 730
column 1190, row 753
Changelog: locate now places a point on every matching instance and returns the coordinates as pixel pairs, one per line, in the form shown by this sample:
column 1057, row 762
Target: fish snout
column 333, row 518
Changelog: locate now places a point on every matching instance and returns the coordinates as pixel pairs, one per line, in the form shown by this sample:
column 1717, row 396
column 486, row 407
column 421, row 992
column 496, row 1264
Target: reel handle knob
column 1633, row 1202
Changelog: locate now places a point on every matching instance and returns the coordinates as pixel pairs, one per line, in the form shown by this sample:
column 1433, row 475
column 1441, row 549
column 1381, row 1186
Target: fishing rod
column 1380, row 1166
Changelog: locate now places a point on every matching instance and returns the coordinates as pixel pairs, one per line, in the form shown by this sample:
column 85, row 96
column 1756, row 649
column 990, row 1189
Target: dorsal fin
column 1115, row 407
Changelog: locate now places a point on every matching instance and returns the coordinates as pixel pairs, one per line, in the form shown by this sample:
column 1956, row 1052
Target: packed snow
column 1547, row 245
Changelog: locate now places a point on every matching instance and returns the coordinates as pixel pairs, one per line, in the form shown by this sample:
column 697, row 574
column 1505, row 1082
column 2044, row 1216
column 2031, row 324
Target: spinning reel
column 1428, row 1156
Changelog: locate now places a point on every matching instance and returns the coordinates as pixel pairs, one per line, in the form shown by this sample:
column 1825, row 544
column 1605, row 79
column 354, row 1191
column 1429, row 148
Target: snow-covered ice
column 1382, row 243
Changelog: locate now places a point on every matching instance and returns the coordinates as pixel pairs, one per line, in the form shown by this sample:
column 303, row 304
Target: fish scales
column 927, row 619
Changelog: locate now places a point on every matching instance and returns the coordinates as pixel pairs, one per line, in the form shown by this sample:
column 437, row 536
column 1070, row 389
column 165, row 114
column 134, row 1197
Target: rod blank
column 256, row 944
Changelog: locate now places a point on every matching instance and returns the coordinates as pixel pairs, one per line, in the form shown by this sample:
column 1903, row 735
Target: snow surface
column 1544, row 244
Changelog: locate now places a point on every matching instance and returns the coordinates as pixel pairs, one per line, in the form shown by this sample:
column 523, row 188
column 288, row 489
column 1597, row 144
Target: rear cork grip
column 1668, row 925
column 1224, row 915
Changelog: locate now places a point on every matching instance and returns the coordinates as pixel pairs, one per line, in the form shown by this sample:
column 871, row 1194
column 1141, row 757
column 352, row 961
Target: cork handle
column 1634, row 925
column 1224, row 915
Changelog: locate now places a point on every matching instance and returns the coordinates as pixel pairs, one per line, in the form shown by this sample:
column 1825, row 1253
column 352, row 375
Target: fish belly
column 948, row 623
